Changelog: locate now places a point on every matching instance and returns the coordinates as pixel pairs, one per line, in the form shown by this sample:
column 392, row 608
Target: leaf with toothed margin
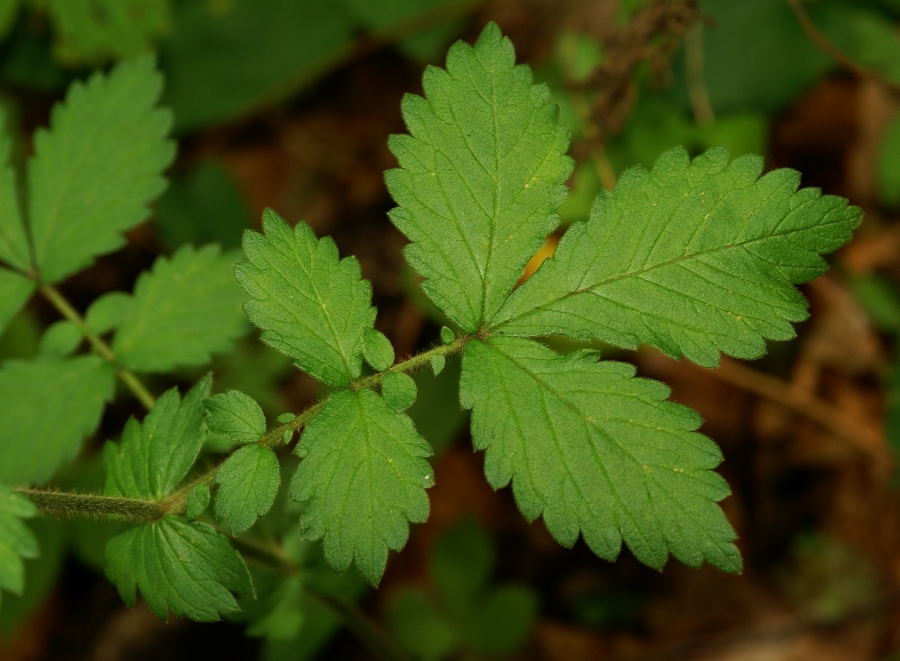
column 597, row 453
column 480, row 179
column 363, row 476
column 693, row 257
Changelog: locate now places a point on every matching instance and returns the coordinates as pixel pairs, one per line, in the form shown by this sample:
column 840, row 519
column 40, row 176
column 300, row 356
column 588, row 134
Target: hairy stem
column 102, row 348
column 60, row 503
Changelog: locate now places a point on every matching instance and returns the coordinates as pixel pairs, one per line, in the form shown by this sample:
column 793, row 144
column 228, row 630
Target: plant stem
column 413, row 363
column 102, row 348
column 94, row 505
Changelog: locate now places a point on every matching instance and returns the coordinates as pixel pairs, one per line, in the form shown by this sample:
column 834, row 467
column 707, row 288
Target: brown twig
column 829, row 48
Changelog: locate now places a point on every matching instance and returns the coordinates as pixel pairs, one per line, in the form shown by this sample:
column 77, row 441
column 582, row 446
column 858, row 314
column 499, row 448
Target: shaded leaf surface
column 480, row 179
column 155, row 455
column 363, row 476
column 597, row 452
column 17, row 542
column 310, row 304
column 97, row 168
column 15, row 290
column 14, row 248
column 186, row 308
column 179, row 566
column 694, row 258
column 48, row 407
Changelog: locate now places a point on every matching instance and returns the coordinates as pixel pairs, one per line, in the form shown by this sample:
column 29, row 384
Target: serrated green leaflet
column 597, row 452
column 155, row 455
column 363, row 476
column 185, row 309
column 49, row 407
column 235, row 416
column 17, row 542
column 310, row 304
column 693, row 258
column 13, row 240
column 97, row 168
column 15, row 290
column 179, row 566
column 248, row 483
column 480, row 179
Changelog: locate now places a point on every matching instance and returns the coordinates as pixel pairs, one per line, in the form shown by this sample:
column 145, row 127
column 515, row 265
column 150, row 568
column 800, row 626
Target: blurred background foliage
column 288, row 103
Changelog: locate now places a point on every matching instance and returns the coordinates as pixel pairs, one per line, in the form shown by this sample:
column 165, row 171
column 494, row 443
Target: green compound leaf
column 399, row 390
column 97, row 168
column 15, row 290
column 311, row 305
column 236, row 416
column 363, row 477
column 693, row 258
column 179, row 566
column 48, row 407
column 155, row 455
column 248, row 483
column 14, row 248
column 183, row 310
column 480, row 179
column 597, row 452
column 17, row 542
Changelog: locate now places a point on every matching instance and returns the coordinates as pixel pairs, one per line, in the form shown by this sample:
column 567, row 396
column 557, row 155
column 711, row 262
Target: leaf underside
column 597, row 452
column 693, row 257
column 179, row 566
column 363, row 477
column 310, row 305
column 480, row 179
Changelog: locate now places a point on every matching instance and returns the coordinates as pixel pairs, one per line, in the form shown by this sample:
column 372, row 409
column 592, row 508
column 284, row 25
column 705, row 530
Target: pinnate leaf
column 310, row 305
column 17, row 542
column 248, row 483
column 363, row 477
column 694, row 257
column 480, row 179
column 179, row 566
column 235, row 416
column 186, row 308
column 48, row 407
column 597, row 452
column 155, row 455
column 97, row 168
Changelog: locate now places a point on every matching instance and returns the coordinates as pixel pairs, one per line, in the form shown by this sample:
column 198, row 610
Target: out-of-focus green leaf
column 461, row 563
column 60, row 339
column 17, row 542
column 15, row 290
column 502, row 622
column 49, row 407
column 419, row 627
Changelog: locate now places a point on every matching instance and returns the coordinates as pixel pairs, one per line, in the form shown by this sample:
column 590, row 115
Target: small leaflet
column 198, row 501
column 437, row 363
column 310, row 304
column 154, row 456
column 107, row 312
column 15, row 290
column 248, row 483
column 447, row 335
column 377, row 349
column 363, row 477
column 399, row 390
column 17, row 542
column 60, row 339
column 235, row 416
column 181, row 566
